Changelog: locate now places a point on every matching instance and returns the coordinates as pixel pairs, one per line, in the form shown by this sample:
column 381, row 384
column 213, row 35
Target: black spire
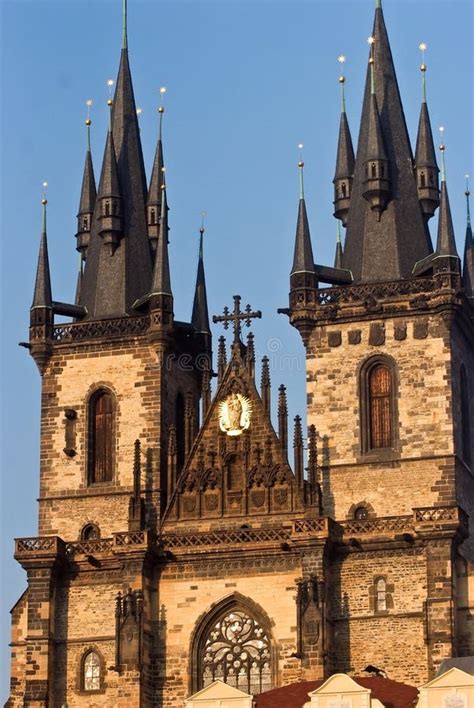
column 446, row 243
column 426, row 167
column 303, row 262
column 339, row 251
column 42, row 296
column 200, row 315
column 87, row 201
column 344, row 163
column 156, row 187
column 468, row 265
column 384, row 246
column 41, row 311
column 112, row 283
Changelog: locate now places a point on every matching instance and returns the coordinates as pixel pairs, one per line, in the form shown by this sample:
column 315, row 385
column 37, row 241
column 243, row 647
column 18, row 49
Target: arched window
column 101, row 437
column 234, row 648
column 344, row 190
column 380, row 595
column 180, row 432
column 90, row 532
column 91, row 672
column 380, row 394
column 378, row 405
column 422, row 179
column 373, row 169
column 466, row 432
column 152, row 216
column 361, row 513
column 107, row 208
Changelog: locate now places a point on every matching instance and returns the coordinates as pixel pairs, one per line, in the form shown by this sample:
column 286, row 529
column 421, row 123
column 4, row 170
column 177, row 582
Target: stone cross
column 237, row 317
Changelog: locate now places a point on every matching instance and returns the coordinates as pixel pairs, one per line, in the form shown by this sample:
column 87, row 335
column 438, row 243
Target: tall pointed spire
column 200, row 314
column 446, row 244
column 468, row 264
column 42, row 296
column 156, row 181
column 161, row 283
column 113, row 283
column 303, row 261
column 345, row 158
column 400, row 226
column 426, row 167
column 88, row 194
column 41, row 311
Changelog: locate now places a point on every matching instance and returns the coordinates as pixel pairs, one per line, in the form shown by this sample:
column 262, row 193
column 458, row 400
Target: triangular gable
column 339, row 683
column 218, row 690
column 237, row 465
column 453, row 678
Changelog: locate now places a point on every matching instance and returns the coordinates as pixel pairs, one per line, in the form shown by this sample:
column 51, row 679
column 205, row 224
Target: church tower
column 390, row 363
column 184, row 536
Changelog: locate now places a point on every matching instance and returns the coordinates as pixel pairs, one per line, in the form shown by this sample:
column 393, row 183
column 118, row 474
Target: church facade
column 179, row 541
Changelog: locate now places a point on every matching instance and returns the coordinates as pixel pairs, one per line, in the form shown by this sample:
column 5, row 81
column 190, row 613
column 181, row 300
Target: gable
column 238, row 464
column 218, row 690
column 340, row 683
column 453, row 678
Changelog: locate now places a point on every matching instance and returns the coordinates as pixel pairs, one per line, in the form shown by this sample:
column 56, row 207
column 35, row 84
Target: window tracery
column 236, row 650
column 91, row 674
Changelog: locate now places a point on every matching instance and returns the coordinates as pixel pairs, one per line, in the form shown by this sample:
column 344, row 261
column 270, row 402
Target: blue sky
column 247, row 81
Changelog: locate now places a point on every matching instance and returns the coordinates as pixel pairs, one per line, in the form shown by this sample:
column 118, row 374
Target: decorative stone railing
column 360, row 294
column 92, row 547
column 96, row 329
column 382, row 524
column 222, row 538
column 39, row 546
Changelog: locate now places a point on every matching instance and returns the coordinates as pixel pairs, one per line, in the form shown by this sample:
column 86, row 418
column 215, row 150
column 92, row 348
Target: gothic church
column 159, row 498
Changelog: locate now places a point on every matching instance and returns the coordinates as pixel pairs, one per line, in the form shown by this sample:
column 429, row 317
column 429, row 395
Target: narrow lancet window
column 380, row 405
column 101, row 437
column 380, row 595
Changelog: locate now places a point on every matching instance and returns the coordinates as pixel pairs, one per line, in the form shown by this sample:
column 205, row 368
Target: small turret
column 88, row 196
column 345, row 160
column 161, row 297
column 446, row 259
column 376, row 182
column 426, row 168
column 110, row 196
column 41, row 311
column 468, row 265
column 153, row 207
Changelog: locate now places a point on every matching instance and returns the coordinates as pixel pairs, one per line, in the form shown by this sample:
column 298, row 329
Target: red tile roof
column 391, row 693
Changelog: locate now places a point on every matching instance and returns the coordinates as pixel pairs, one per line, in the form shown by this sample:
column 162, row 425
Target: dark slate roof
column 464, row 663
column 112, row 283
column 42, row 296
column 200, row 315
column 345, row 150
column 425, row 155
column 88, row 189
column 389, row 248
column 109, row 185
column 390, row 693
column 375, row 142
column 468, row 264
column 446, row 244
column 303, row 257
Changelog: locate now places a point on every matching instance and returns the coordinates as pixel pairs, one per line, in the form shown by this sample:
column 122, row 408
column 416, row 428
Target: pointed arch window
column 465, row 419
column 91, row 672
column 378, row 405
column 235, row 648
column 90, row 532
column 101, row 437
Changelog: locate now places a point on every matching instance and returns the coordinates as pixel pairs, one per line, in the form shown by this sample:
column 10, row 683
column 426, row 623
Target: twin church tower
column 179, row 541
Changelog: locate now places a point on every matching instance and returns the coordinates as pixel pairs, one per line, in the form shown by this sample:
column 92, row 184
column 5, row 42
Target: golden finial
column 342, row 60
column 161, row 108
column 300, row 167
column 371, row 42
column 110, row 84
column 467, row 192
column 88, row 119
column 423, row 47
column 203, row 215
column 44, row 201
column 442, row 148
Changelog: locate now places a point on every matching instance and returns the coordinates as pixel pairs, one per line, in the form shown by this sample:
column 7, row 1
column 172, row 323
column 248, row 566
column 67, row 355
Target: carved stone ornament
column 234, row 414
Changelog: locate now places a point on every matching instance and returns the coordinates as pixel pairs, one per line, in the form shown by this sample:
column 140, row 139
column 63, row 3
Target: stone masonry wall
column 425, row 431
